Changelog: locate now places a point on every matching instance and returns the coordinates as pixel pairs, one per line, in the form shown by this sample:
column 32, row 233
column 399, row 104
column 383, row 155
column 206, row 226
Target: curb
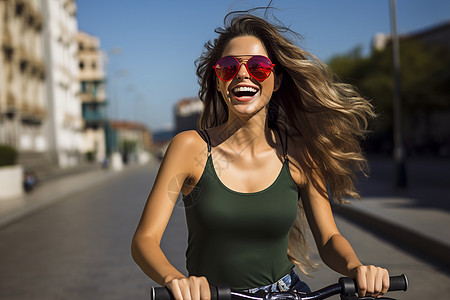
column 407, row 237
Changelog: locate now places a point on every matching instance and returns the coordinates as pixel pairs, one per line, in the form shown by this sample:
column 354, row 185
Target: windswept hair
column 328, row 118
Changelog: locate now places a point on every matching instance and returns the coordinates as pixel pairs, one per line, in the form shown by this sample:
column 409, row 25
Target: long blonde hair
column 330, row 117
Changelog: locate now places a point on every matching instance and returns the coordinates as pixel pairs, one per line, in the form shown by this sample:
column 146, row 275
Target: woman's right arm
column 176, row 166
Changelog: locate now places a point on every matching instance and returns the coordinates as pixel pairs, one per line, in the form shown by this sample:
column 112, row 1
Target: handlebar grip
column 160, row 293
column 397, row 283
column 222, row 292
column 219, row 292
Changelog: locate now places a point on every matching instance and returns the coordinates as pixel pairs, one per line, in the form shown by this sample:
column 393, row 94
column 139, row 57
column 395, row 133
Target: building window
column 19, row 8
column 81, row 65
column 94, row 65
column 83, row 87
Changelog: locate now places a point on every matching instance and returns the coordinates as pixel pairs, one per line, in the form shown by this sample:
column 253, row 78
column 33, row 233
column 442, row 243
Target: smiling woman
column 244, row 75
column 276, row 130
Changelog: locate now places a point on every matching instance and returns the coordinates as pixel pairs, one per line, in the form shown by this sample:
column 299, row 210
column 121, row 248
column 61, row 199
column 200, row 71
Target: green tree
column 8, row 155
column 425, row 80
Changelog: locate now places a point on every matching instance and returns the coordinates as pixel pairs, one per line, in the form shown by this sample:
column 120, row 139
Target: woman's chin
column 249, row 109
column 247, row 105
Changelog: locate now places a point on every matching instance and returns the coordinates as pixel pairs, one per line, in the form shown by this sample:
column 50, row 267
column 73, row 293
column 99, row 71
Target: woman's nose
column 243, row 72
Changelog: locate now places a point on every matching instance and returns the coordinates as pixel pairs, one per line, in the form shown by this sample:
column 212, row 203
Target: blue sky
column 160, row 40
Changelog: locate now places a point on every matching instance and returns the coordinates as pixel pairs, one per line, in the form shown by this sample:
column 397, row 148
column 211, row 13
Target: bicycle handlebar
column 397, row 283
column 345, row 286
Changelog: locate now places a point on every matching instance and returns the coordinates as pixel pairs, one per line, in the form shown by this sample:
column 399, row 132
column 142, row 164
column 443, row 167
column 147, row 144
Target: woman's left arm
column 334, row 249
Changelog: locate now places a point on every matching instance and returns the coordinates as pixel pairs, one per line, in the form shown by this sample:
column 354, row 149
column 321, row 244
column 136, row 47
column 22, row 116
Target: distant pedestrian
column 105, row 163
column 277, row 128
column 29, row 180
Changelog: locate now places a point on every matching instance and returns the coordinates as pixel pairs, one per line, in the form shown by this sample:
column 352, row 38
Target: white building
column 23, row 105
column 64, row 122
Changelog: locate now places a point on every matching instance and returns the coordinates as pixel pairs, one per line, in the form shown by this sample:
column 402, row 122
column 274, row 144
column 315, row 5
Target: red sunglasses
column 258, row 66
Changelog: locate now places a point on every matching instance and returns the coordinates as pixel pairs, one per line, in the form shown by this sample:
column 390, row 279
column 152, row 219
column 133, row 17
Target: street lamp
column 399, row 151
column 115, row 157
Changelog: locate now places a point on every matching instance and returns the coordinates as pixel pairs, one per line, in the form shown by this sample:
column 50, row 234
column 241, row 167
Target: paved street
column 79, row 248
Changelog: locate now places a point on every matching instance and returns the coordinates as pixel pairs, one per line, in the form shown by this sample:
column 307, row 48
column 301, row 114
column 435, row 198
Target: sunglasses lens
column 259, row 67
column 226, row 68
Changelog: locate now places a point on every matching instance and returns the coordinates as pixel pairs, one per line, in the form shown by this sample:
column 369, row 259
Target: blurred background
column 93, row 90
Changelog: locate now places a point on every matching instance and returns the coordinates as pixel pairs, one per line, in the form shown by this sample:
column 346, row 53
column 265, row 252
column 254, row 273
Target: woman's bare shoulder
column 187, row 142
column 186, row 149
column 187, row 138
column 187, row 155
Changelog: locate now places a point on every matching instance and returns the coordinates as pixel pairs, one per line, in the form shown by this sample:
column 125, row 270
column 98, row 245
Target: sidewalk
column 59, row 187
column 417, row 217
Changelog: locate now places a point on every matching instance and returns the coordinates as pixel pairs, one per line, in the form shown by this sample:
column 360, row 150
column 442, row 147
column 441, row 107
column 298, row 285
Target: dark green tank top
column 240, row 239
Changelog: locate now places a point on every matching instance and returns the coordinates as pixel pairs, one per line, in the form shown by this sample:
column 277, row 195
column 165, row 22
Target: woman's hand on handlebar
column 189, row 288
column 372, row 281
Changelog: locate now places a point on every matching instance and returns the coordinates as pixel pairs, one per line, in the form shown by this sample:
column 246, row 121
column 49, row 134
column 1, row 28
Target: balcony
column 92, row 91
column 94, row 113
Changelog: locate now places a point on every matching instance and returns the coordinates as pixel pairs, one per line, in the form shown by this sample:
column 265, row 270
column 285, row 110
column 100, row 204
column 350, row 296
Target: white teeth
column 244, row 89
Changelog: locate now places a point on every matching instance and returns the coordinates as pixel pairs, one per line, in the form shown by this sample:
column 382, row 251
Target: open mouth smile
column 244, row 93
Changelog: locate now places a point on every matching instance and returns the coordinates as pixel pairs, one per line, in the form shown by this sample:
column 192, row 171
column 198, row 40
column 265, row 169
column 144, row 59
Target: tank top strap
column 206, row 138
